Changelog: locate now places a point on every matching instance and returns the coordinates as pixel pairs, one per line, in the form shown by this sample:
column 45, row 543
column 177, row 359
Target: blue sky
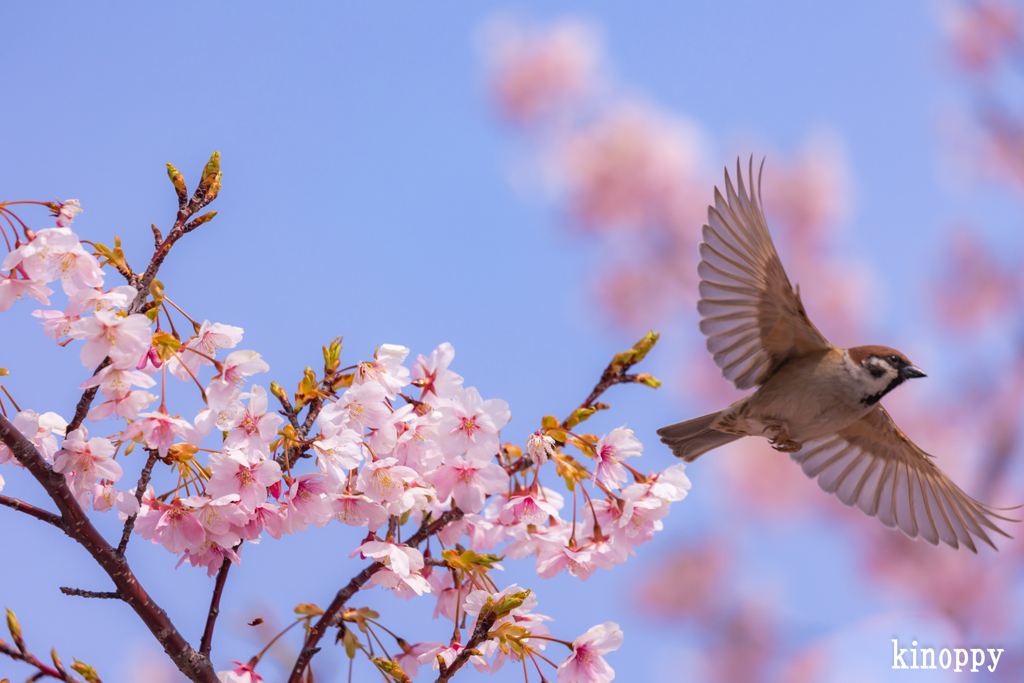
column 366, row 193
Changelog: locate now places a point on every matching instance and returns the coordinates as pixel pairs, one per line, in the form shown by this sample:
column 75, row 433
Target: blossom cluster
column 380, row 459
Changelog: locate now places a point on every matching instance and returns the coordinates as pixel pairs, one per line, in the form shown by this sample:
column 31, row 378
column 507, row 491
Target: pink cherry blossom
column 530, row 508
column 586, row 663
column 256, row 428
column 174, row 526
column 124, row 339
column 115, row 381
column 105, row 497
column 386, row 369
column 476, row 599
column 338, row 453
column 243, row 673
column 436, row 380
column 541, row 71
column 384, row 480
column 90, row 299
column 306, row 502
column 235, row 368
column 66, row 212
column 221, row 517
column 400, row 559
column 469, row 482
column 85, row 460
column 12, row 289
column 56, row 325
column 610, row 450
column 40, row 430
column 127, row 406
column 471, row 425
column 417, row 443
column 359, row 511
column 56, row 253
column 404, row 587
column 209, row 339
column 159, row 430
column 671, row 484
column 581, row 562
column 409, row 659
column 362, row 404
column 234, row 473
column 540, row 447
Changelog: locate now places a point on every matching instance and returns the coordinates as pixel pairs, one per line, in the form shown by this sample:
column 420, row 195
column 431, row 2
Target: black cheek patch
column 875, row 398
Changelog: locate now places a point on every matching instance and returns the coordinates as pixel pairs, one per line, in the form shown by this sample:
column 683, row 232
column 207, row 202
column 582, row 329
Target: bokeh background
column 527, row 183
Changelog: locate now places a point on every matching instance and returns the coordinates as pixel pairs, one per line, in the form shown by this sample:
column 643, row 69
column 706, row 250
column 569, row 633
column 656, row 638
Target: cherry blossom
column 66, row 212
column 127, row 406
column 243, row 673
column 384, row 480
column 540, row 447
column 235, row 368
column 233, row 473
column 433, row 376
column 255, row 428
column 175, row 526
column 40, row 430
column 56, row 253
column 158, row 430
column 116, row 380
column 586, row 664
column 386, row 369
column 400, row 559
column 359, row 511
column 209, row 339
column 84, row 461
column 363, row 404
column 338, row 453
column 468, row 482
column 306, row 502
column 610, row 450
column 12, row 289
column 124, row 339
column 471, row 425
column 531, row 507
column 581, row 562
column 90, row 299
column 56, row 325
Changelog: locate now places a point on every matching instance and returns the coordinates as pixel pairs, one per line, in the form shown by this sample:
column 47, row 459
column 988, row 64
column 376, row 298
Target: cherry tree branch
column 77, row 525
column 483, row 626
column 102, row 595
column 140, row 490
column 31, row 660
column 32, row 510
column 85, row 402
column 211, row 619
column 331, row 615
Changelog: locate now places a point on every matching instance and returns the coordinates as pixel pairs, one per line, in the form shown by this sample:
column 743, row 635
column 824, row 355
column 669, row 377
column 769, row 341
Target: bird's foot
column 777, row 432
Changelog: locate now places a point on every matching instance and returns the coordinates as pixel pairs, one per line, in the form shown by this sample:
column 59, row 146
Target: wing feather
column 873, row 465
column 744, row 288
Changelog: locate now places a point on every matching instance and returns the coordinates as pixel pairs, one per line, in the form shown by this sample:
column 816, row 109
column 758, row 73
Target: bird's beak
column 912, row 371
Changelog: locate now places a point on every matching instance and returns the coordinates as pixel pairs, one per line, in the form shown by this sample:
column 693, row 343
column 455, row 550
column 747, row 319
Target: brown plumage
column 818, row 402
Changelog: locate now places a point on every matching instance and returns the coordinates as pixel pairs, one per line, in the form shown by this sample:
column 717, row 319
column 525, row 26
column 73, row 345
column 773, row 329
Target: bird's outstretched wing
column 873, row 465
column 753, row 319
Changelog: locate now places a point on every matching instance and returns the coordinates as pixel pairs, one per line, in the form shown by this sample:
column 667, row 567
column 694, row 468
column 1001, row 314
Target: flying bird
column 815, row 401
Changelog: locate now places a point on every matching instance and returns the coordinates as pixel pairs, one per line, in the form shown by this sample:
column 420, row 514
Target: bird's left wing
column 752, row 317
column 873, row 465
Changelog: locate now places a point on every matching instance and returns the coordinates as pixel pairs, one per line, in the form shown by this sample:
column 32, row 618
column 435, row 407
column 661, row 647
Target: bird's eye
column 894, row 360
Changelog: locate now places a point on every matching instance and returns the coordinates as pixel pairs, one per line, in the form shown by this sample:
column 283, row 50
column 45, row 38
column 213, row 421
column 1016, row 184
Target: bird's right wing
column 873, row 465
column 753, row 319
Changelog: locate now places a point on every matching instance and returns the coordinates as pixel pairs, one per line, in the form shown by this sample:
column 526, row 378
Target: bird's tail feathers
column 691, row 439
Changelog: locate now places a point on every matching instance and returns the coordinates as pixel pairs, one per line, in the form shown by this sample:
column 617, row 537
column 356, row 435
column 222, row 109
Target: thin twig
column 85, row 402
column 32, row 510
column 140, row 490
column 31, row 660
column 211, row 619
column 103, row 595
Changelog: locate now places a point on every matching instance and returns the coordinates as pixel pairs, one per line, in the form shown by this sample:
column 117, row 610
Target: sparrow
column 815, row 401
